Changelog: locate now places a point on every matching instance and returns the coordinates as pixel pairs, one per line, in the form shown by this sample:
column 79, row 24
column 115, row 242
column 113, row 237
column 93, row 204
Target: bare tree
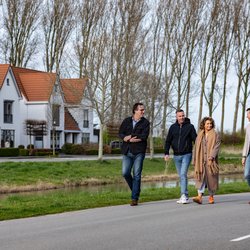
column 168, row 11
column 242, row 36
column 192, row 39
column 99, row 66
column 20, row 41
column 90, row 13
column 57, row 22
column 228, row 50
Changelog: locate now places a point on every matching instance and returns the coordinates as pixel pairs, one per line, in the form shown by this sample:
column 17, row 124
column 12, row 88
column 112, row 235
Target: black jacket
column 141, row 130
column 180, row 138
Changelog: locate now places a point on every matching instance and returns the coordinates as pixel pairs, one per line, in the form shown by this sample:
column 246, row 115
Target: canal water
column 123, row 186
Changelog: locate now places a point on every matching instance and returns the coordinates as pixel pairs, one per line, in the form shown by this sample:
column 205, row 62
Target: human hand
column 135, row 139
column 243, row 161
column 166, row 157
column 127, row 138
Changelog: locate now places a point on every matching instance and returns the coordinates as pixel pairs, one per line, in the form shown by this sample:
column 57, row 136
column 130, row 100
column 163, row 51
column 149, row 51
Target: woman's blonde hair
column 203, row 121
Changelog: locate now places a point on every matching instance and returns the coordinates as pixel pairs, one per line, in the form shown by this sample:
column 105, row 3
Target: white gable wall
column 10, row 92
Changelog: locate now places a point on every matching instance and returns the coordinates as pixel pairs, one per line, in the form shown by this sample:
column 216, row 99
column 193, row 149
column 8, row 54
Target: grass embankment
column 43, row 175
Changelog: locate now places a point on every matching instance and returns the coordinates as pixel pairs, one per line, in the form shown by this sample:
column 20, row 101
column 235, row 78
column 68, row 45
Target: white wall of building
column 10, row 92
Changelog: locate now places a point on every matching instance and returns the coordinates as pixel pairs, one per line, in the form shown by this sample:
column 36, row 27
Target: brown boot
column 134, row 203
column 211, row 199
column 198, row 199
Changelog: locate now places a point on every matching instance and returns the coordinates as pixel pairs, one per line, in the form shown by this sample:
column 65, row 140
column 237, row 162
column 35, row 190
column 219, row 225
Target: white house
column 42, row 98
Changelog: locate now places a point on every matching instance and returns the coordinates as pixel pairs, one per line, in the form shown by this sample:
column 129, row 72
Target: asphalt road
column 159, row 225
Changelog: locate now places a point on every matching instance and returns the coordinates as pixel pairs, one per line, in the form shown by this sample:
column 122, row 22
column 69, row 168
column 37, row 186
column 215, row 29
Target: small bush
column 159, row 150
column 43, row 152
column 232, row 139
column 5, row 152
column 21, row 147
column 23, row 152
column 77, row 149
column 107, row 149
column 30, row 146
column 91, row 152
column 116, row 151
column 67, row 148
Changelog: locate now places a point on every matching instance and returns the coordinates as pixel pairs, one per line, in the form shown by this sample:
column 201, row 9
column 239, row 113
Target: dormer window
column 8, row 81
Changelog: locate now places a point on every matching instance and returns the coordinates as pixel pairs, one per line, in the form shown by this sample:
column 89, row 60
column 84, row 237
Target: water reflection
column 222, row 179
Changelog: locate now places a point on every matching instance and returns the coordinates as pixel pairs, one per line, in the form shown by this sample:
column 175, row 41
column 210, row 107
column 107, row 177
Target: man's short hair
column 179, row 110
column 248, row 109
column 136, row 106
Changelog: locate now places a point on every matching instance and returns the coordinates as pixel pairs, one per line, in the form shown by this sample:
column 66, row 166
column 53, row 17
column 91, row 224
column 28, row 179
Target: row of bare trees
column 165, row 53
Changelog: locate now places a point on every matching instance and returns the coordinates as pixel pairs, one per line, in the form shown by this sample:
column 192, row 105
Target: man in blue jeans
column 245, row 152
column 181, row 136
column 134, row 132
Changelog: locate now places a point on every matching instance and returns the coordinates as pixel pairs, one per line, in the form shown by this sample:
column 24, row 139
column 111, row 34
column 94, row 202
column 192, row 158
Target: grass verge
column 28, row 205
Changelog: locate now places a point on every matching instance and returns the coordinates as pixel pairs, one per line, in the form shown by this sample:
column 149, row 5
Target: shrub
column 67, row 148
column 159, row 150
column 4, row 152
column 30, row 146
column 107, row 149
column 116, row 151
column 91, row 152
column 77, row 149
column 23, row 152
column 21, row 147
column 43, row 152
column 232, row 139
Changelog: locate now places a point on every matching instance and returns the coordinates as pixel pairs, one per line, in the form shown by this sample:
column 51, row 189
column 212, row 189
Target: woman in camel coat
column 205, row 160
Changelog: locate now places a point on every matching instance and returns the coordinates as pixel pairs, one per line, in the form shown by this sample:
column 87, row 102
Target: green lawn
column 17, row 176
column 27, row 205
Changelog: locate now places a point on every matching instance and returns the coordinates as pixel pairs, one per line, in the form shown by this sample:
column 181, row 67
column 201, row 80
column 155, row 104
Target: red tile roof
column 38, row 85
column 73, row 89
column 69, row 121
column 3, row 72
column 17, row 71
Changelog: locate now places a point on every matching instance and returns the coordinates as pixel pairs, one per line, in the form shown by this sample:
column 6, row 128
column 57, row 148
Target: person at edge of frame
column 180, row 137
column 246, row 152
column 134, row 132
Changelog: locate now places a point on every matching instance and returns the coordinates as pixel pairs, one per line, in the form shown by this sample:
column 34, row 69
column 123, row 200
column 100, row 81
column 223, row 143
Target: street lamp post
column 53, row 137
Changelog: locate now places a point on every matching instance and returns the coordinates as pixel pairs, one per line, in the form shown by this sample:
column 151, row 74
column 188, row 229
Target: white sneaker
column 183, row 199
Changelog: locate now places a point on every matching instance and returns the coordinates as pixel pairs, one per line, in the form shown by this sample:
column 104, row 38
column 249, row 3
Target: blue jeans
column 182, row 164
column 130, row 161
column 247, row 169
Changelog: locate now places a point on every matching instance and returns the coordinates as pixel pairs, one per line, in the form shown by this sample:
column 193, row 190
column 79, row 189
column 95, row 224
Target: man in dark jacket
column 181, row 136
column 134, row 132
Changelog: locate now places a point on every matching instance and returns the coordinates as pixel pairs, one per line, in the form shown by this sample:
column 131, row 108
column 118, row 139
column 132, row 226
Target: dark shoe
column 198, row 199
column 134, row 203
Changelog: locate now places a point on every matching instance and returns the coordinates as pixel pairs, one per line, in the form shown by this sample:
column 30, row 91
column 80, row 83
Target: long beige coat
column 212, row 180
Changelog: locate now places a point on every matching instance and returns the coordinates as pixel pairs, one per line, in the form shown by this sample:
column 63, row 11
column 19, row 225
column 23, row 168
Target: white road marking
column 241, row 238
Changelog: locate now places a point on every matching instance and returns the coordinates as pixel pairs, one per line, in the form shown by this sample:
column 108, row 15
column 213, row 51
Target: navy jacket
column 141, row 130
column 180, row 138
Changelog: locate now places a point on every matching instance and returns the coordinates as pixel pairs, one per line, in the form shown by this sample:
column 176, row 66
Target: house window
column 85, row 138
column 85, row 118
column 7, row 138
column 7, row 111
column 8, row 81
column 56, row 115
